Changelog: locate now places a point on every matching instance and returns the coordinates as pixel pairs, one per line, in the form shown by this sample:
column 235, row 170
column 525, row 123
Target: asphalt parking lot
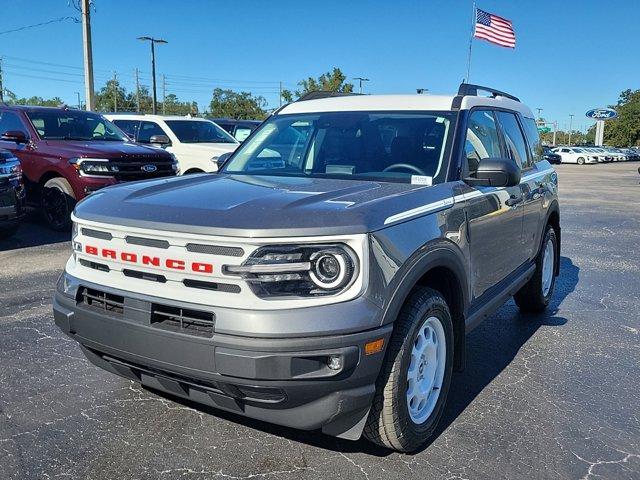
column 553, row 396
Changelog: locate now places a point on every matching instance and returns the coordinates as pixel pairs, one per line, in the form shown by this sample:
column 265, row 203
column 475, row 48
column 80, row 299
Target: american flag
column 494, row 29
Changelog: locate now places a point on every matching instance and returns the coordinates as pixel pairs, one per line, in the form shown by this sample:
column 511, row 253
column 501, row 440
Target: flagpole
column 473, row 28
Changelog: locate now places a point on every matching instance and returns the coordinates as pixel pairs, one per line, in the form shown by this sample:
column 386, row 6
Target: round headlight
column 330, row 269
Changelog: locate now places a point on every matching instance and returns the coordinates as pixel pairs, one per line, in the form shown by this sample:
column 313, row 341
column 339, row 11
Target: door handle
column 512, row 201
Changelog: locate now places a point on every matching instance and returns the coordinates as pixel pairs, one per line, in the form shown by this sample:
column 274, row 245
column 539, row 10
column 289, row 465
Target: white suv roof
column 402, row 102
column 144, row 116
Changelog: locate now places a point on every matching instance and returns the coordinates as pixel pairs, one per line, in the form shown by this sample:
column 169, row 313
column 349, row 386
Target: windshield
column 74, row 125
column 400, row 147
column 199, row 131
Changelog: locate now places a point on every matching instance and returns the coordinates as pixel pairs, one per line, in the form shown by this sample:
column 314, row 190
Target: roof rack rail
column 323, row 94
column 470, row 89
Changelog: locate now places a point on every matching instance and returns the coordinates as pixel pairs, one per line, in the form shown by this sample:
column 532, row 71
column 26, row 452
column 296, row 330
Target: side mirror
column 222, row 160
column 495, row 172
column 16, row 136
column 161, row 140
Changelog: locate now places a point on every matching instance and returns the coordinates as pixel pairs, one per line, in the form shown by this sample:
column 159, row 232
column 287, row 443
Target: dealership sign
column 601, row 114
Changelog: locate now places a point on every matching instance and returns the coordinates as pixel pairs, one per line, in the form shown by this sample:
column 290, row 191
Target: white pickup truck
column 196, row 142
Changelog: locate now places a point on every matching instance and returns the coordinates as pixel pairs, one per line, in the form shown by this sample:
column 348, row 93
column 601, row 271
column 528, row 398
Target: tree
column 239, row 105
column 12, row 99
column 112, row 97
column 624, row 131
column 333, row 81
column 172, row 106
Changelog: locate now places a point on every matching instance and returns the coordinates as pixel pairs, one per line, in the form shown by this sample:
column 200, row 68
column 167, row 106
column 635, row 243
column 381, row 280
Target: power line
column 38, row 77
column 55, row 20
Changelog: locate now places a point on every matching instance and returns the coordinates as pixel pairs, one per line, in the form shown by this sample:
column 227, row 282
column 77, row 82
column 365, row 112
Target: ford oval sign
column 149, row 168
column 601, row 114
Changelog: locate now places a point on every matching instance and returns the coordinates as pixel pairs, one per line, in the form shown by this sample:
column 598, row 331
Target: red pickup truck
column 67, row 154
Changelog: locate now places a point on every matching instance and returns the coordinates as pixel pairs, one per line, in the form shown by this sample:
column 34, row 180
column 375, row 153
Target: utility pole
column 153, row 41
column 164, row 95
column 88, row 55
column 570, row 124
column 1, row 84
column 79, row 102
column 137, row 92
column 115, row 92
column 361, row 79
column 555, row 130
column 280, row 91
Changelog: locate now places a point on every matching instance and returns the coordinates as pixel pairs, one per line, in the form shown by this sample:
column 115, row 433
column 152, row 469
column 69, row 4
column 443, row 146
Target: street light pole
column 361, row 79
column 570, row 123
column 88, row 55
column 153, row 41
column 539, row 110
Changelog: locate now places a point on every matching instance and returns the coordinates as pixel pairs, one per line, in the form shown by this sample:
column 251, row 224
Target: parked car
column 575, row 155
column 12, row 194
column 196, row 142
column 632, row 153
column 67, row 154
column 550, row 156
column 599, row 153
column 616, row 155
column 240, row 129
column 323, row 284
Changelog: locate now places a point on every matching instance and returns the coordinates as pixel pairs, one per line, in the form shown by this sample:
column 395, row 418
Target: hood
column 257, row 206
column 105, row 149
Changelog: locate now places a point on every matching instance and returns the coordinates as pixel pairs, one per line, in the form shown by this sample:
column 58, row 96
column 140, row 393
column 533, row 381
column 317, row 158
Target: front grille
column 215, row 286
column 215, row 250
column 182, row 320
column 133, row 170
column 90, row 232
column 96, row 299
column 94, row 265
column 153, row 277
column 147, row 242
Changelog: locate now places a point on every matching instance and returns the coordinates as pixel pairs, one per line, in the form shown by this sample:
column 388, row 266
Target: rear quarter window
column 533, row 138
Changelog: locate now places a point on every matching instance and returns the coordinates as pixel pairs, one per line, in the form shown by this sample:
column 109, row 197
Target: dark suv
column 12, row 194
column 326, row 278
column 67, row 154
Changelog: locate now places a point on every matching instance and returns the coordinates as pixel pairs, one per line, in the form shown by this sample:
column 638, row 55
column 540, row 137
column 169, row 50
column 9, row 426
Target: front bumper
column 285, row 381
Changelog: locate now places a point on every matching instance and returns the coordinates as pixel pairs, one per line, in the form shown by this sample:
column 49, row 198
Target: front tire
column 535, row 295
column 57, row 202
column 580, row 161
column 412, row 388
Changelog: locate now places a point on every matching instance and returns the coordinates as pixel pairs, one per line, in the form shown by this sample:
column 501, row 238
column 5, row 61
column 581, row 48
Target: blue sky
column 571, row 55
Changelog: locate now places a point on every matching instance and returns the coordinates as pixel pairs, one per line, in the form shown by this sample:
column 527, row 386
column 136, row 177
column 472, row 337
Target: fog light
column 334, row 362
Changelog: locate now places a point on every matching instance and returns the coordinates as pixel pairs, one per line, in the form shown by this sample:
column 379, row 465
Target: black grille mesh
column 215, row 250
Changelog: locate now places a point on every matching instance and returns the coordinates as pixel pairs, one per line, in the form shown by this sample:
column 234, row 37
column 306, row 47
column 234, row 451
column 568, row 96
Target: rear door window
column 147, row 130
column 533, row 138
column 514, row 139
column 130, row 127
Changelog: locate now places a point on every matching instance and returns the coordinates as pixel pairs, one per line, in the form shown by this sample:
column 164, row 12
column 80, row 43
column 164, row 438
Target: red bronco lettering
column 149, row 261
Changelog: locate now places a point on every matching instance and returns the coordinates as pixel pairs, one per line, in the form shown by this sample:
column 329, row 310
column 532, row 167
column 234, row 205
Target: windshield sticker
column 421, row 180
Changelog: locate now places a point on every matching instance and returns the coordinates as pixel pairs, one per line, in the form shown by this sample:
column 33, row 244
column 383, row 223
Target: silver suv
column 326, row 278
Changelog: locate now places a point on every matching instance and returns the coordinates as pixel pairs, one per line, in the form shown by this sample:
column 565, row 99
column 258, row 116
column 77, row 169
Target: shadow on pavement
column 32, row 233
column 490, row 349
